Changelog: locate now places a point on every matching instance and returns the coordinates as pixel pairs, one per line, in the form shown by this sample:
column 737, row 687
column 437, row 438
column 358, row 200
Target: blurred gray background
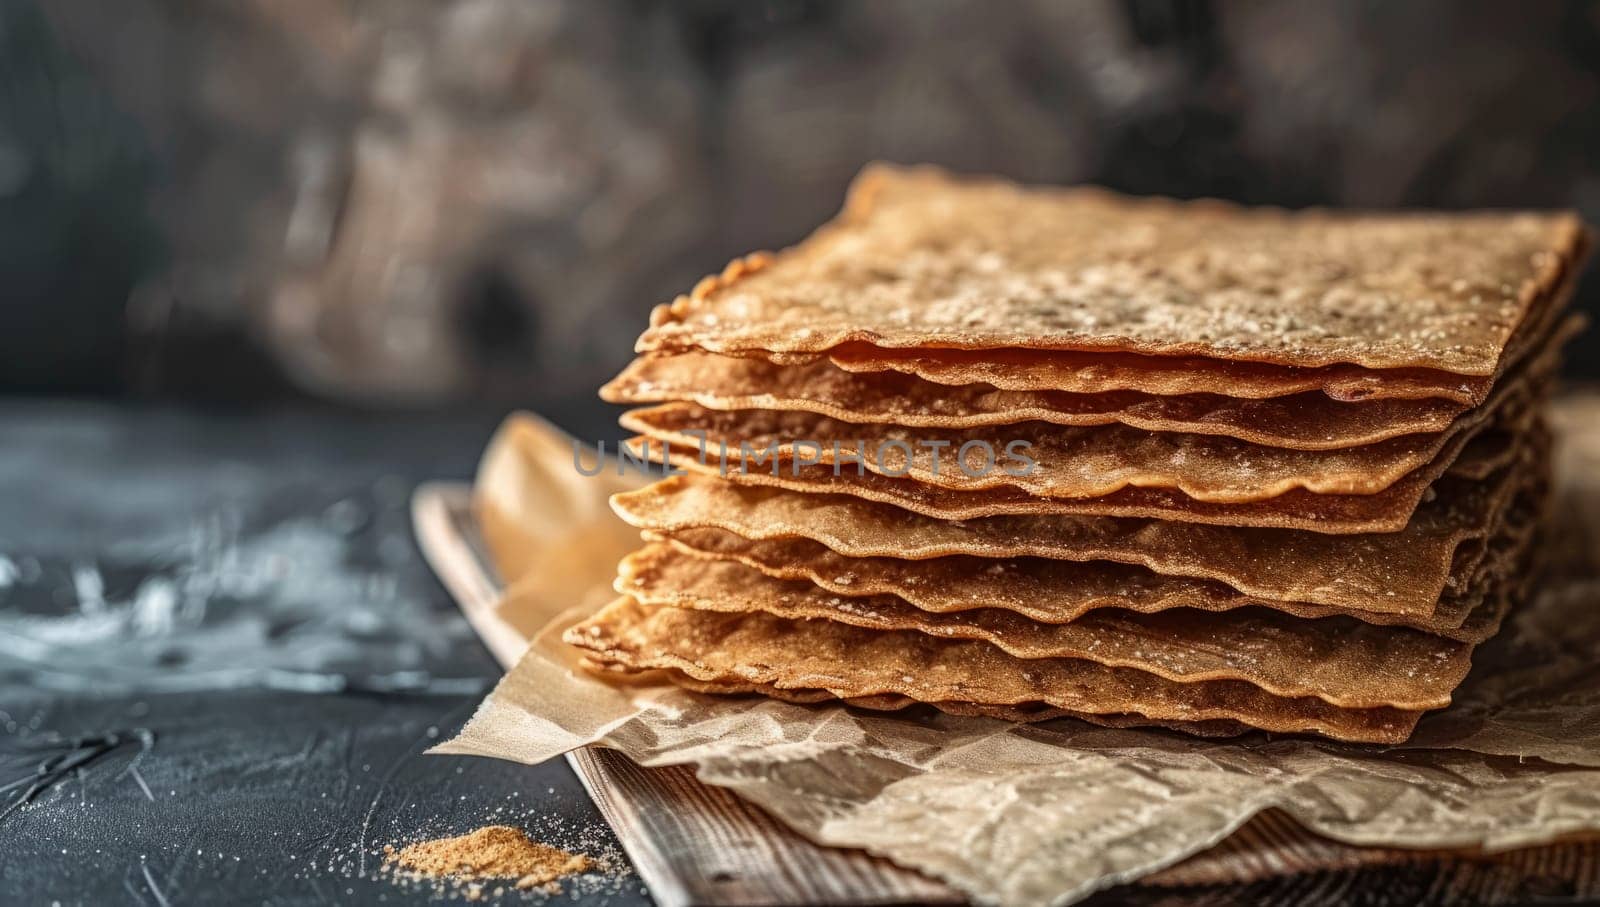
column 423, row 203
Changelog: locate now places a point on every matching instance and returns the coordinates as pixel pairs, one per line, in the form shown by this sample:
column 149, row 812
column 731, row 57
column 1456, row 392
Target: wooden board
column 691, row 843
column 697, row 844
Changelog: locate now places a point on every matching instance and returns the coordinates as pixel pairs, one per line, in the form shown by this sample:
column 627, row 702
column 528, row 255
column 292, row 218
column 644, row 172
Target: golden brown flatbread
column 1066, row 462
column 850, row 662
column 1019, row 713
column 1400, row 573
column 1339, row 660
column 1060, row 461
column 919, row 259
column 1103, row 372
column 1057, row 591
column 1482, row 447
column 1024, row 712
column 1304, row 421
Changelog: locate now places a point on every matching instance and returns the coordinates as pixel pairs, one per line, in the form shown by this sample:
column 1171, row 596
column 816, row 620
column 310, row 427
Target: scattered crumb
column 491, row 852
column 608, row 873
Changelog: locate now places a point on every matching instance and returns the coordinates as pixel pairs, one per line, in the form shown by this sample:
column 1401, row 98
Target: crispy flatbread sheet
column 1303, row 421
column 1102, row 372
column 1055, row 591
column 850, row 662
column 1054, row 461
column 1213, row 728
column 1339, row 660
column 1399, row 573
column 1034, row 712
column 1481, row 448
column 920, row 259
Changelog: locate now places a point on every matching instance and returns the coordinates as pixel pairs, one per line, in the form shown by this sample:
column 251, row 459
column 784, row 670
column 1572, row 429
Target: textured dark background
column 426, row 202
column 238, row 598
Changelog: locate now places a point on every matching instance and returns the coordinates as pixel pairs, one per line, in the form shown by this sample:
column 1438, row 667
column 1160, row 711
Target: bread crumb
column 491, row 852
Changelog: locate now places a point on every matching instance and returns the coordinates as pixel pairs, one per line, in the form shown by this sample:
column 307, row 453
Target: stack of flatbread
column 1040, row 452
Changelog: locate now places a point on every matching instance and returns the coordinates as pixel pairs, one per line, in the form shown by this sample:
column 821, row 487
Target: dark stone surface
column 242, row 592
column 246, row 588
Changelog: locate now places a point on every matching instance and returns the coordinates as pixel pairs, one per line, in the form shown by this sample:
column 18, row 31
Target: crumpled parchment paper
column 1034, row 814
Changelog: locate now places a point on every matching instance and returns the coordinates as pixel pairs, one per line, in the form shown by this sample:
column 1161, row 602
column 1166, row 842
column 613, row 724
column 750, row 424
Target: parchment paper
column 1021, row 814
